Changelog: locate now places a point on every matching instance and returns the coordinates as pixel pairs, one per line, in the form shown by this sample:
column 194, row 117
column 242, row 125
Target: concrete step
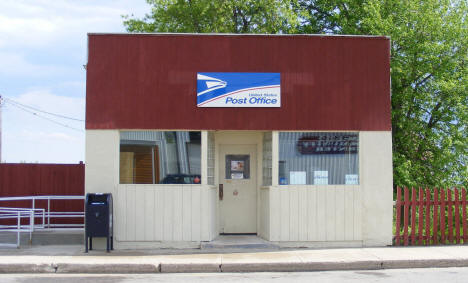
column 238, row 242
column 55, row 237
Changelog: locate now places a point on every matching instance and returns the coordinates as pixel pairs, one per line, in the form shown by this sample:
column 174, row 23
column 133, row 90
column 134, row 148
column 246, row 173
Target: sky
column 43, row 47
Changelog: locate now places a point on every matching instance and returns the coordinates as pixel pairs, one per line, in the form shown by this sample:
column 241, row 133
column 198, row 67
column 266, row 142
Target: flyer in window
column 351, row 179
column 237, row 176
column 298, row 177
column 237, row 165
column 320, row 177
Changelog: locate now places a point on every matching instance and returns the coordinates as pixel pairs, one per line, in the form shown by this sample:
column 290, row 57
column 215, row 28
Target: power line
column 39, row 110
column 46, row 118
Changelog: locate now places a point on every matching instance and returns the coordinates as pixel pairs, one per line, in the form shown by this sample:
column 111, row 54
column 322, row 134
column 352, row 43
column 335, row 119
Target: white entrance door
column 238, row 178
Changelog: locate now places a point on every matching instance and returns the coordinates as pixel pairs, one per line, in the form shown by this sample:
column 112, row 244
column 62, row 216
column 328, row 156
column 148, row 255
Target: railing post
column 18, row 227
column 31, row 225
column 34, row 209
column 48, row 212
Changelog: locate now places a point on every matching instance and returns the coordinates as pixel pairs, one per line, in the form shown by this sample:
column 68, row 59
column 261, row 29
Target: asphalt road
column 426, row 275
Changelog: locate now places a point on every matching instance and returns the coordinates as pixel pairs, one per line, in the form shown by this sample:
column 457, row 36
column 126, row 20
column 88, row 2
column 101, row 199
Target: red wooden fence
column 18, row 179
column 431, row 217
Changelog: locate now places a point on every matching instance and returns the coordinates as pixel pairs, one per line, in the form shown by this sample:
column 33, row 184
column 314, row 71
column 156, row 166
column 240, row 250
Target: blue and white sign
column 238, row 90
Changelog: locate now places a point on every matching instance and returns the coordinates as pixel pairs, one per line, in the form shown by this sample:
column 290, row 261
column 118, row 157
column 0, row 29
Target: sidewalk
column 71, row 259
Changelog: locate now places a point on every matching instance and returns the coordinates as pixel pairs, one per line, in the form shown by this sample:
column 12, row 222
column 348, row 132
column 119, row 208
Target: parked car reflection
column 181, row 179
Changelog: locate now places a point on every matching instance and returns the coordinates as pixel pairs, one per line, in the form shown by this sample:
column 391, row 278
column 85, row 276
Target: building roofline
column 239, row 35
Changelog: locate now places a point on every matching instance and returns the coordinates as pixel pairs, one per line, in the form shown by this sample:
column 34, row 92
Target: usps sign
column 238, row 90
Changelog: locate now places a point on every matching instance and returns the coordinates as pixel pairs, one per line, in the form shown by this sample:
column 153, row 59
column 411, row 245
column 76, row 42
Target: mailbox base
column 109, row 246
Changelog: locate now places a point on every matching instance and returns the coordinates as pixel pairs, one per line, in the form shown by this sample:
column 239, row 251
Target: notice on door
column 237, row 176
column 237, row 165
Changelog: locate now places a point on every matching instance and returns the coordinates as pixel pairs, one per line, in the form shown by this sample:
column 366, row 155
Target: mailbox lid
column 98, row 199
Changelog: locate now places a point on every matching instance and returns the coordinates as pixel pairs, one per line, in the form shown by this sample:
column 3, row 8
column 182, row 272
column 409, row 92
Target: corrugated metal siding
column 149, row 81
column 42, row 179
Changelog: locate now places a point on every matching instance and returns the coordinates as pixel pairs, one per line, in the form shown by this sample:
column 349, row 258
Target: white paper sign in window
column 334, row 153
column 237, row 165
column 298, row 178
column 320, row 177
column 351, row 179
column 237, row 176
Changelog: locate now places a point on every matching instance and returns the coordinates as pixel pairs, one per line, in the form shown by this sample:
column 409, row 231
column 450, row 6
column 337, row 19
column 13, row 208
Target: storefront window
column 157, row 157
column 318, row 158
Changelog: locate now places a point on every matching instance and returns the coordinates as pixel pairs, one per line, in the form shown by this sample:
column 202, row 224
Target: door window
column 237, row 166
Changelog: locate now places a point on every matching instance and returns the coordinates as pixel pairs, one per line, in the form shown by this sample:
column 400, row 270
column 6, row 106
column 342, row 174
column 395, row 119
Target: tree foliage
column 207, row 16
column 429, row 52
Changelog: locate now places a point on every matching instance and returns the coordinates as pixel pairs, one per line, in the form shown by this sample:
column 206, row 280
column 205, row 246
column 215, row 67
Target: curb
column 424, row 263
column 106, row 268
column 26, row 268
column 129, row 268
column 189, row 267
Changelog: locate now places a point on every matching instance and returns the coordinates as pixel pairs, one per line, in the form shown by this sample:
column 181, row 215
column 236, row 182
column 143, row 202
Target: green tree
column 429, row 49
column 429, row 41
column 207, row 16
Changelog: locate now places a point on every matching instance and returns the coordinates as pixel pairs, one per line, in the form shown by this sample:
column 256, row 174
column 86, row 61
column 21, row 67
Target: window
column 211, row 159
column 307, row 158
column 237, row 166
column 157, row 157
column 267, row 159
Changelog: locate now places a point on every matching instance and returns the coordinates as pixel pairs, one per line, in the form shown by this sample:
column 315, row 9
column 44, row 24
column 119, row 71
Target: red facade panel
column 17, row 179
column 148, row 81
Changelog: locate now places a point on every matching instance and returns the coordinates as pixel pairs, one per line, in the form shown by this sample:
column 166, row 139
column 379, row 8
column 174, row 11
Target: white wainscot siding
column 164, row 213
column 320, row 214
column 377, row 187
column 264, row 223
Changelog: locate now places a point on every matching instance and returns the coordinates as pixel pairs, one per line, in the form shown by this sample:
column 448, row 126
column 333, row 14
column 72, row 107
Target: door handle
column 221, row 192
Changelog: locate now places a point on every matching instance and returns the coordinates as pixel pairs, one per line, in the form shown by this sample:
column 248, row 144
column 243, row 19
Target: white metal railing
column 19, row 214
column 32, row 213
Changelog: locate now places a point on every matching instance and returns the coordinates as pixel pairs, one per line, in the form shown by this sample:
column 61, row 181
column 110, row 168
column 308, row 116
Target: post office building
column 287, row 137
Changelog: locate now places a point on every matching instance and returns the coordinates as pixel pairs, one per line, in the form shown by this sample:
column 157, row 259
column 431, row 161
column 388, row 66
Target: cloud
column 43, row 46
column 45, row 147
column 41, row 23
column 30, row 119
column 73, row 84
column 30, row 138
column 34, row 136
column 14, row 64
column 57, row 104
